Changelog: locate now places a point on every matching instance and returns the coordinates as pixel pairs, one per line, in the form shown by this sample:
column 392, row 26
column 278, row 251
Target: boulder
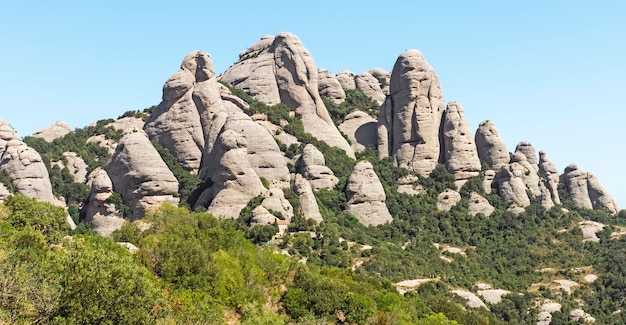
column 312, row 166
column 57, row 130
column 448, row 199
column 308, row 204
column 460, row 152
column 491, row 148
column 370, row 86
column 510, row 184
column 478, row 204
column 274, row 201
column 101, row 214
column 280, row 70
column 586, row 191
column 191, row 98
column 360, row 128
column 346, row 80
column 330, row 87
column 27, row 171
column 527, row 149
column 233, row 181
column 552, row 176
column 366, row 196
column 409, row 120
column 140, row 175
column 261, row 216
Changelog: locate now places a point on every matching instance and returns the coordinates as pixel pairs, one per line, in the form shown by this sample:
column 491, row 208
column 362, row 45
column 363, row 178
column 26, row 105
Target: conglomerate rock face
column 139, row 174
column 491, row 148
column 312, row 166
column 586, row 191
column 366, row 196
column 278, row 69
column 410, row 118
column 330, row 87
column 461, row 156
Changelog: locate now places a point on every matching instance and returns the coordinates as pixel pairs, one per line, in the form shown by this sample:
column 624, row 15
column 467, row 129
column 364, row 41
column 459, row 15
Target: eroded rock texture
column 461, row 156
column 366, row 196
column 586, row 191
column 491, row 148
column 409, row 120
column 56, row 130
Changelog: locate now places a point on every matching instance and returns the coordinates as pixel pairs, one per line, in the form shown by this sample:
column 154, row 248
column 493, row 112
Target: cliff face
column 218, row 136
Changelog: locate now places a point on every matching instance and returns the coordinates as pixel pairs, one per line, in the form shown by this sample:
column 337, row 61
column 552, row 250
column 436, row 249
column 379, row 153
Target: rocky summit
column 368, row 175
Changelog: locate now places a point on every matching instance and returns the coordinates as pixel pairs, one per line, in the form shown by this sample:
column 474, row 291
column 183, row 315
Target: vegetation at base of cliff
column 187, row 182
column 355, row 100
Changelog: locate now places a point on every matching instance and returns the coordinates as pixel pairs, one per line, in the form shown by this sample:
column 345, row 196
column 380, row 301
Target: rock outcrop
column 127, row 124
column 308, row 204
column 370, row 86
column 139, row 174
column 448, row 199
column 330, row 87
column 181, row 121
column 312, row 166
column 233, row 181
column 552, row 177
column 57, row 130
column 346, row 80
column 488, row 177
column 460, row 152
column 383, row 78
column 408, row 185
column 4, row 192
column 528, row 173
column 511, row 186
column 366, row 196
column 360, row 128
column 527, row 149
column 274, row 201
column 409, row 120
column 101, row 214
column 491, row 148
column 478, row 204
column 280, row 70
column 586, row 191
column 76, row 166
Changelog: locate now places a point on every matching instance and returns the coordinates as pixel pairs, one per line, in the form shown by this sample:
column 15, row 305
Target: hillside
column 278, row 193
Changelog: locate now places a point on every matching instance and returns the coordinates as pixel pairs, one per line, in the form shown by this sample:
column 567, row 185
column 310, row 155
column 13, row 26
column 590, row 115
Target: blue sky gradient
column 548, row 72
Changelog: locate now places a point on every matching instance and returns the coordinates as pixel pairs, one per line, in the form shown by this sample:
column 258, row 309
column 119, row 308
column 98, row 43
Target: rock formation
column 527, row 149
column 409, row 120
column 346, row 80
column 366, row 196
column 27, row 171
column 511, row 186
column 491, row 148
column 383, row 78
column 233, row 181
column 370, row 86
column 312, row 166
column 274, row 201
column 330, row 87
column 308, row 204
column 586, row 191
column 57, row 130
column 408, row 185
column 460, row 152
column 101, row 214
column 191, row 98
column 139, row 174
column 4, row 192
column 528, row 173
column 478, row 204
column 127, row 124
column 76, row 166
column 448, row 199
column 360, row 128
column 488, row 177
column 280, row 70
column 552, row 176
column 261, row 216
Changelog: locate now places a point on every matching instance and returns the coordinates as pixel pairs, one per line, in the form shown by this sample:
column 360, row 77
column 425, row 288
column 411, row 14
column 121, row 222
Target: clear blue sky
column 549, row 72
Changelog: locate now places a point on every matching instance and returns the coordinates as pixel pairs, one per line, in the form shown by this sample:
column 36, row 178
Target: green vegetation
column 355, row 100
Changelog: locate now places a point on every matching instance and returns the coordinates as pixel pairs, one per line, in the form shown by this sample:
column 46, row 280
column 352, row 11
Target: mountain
column 389, row 207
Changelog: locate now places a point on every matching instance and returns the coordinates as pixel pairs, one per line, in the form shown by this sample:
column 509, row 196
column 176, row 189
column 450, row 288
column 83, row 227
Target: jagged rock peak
column 330, row 87
column 281, row 70
column 529, row 151
column 366, row 196
column 56, row 130
column 312, row 166
column 139, row 174
column 461, row 156
column 191, row 98
column 409, row 120
column 491, row 148
column 586, row 191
